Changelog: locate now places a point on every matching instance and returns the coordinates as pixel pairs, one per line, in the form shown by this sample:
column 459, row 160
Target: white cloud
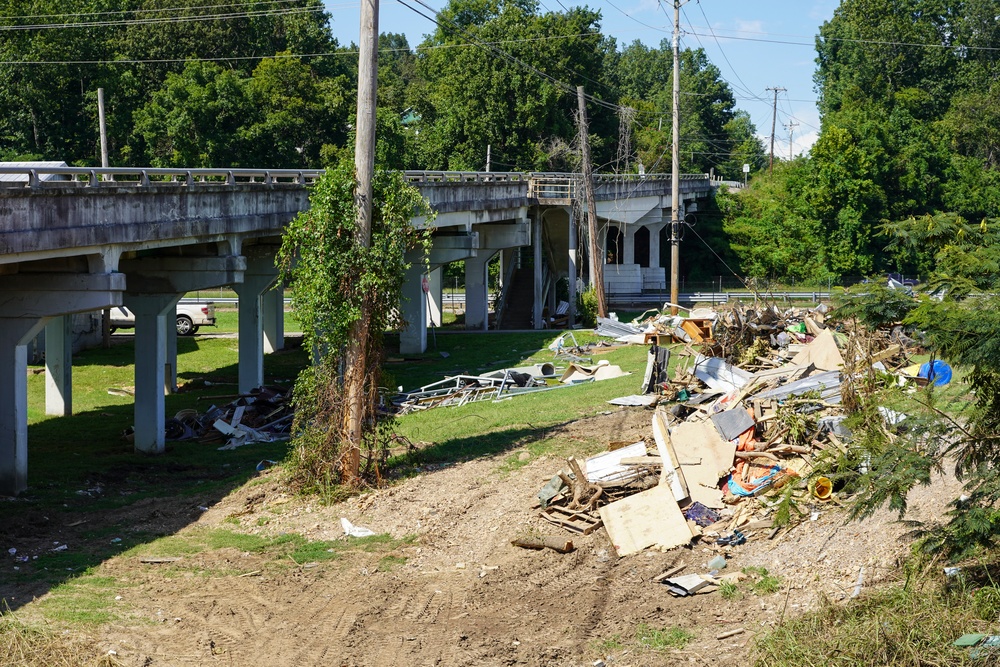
column 749, row 26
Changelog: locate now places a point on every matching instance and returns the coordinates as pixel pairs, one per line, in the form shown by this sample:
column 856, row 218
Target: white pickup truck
column 190, row 316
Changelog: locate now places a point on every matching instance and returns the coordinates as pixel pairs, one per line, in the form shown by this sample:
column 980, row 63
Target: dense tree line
column 910, row 105
column 264, row 83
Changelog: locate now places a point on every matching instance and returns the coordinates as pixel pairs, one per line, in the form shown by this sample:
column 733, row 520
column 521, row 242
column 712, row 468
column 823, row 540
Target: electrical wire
column 140, row 10
column 288, row 11
column 627, row 15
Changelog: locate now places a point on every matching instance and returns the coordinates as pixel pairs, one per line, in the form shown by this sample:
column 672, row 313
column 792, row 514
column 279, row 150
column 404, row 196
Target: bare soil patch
column 458, row 593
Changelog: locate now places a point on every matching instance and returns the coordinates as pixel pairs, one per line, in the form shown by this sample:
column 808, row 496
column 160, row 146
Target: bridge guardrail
column 148, row 176
column 542, row 185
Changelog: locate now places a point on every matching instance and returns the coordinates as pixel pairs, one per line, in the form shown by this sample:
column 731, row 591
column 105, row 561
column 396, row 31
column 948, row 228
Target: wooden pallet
column 572, row 520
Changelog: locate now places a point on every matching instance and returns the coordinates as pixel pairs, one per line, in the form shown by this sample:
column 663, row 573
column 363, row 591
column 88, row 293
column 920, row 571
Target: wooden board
column 822, row 353
column 648, row 519
column 671, row 473
column 577, row 522
column 701, row 440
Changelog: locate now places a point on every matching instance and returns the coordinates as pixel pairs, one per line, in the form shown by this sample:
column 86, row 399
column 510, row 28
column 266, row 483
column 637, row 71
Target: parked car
column 190, row 317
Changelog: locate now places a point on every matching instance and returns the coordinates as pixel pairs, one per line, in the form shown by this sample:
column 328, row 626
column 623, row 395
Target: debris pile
column 456, row 390
column 735, row 435
column 262, row 415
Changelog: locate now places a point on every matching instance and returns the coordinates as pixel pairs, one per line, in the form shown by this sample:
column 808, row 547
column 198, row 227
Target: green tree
column 714, row 135
column 195, row 119
column 332, row 275
column 476, row 97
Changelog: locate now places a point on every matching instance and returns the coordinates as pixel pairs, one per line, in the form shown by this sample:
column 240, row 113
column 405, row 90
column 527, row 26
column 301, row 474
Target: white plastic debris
column 355, row 531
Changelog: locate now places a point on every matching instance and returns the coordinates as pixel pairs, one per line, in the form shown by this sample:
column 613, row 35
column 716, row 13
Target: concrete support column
column 15, row 333
column 251, row 364
column 628, row 243
column 435, row 301
column 477, row 295
column 654, row 245
column 536, row 244
column 272, row 305
column 153, row 314
column 59, row 366
column 413, row 338
column 170, row 360
column 571, row 273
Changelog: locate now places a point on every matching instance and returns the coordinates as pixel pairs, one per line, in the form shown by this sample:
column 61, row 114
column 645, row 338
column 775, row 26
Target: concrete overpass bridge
column 76, row 240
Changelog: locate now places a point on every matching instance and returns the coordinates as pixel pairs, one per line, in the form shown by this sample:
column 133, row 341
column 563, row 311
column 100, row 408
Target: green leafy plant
column 586, row 307
column 344, row 289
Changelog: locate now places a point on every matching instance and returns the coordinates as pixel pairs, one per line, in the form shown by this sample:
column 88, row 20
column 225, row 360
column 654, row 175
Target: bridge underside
column 93, row 243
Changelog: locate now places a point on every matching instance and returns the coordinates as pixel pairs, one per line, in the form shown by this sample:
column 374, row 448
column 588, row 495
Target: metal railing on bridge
column 61, row 177
column 541, row 185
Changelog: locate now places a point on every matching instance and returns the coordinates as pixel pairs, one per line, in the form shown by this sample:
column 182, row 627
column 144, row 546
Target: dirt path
column 464, row 595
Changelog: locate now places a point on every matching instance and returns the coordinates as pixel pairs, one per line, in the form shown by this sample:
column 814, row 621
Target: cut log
column 544, row 541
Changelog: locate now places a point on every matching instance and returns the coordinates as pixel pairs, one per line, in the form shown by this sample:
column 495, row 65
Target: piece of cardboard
column 701, row 441
column 822, row 353
column 648, row 519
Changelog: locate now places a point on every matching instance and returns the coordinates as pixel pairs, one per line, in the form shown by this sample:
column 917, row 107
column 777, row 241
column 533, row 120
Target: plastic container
column 717, row 563
column 822, row 488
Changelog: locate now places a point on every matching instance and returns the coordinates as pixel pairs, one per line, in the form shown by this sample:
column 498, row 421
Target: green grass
column 84, row 600
column 663, row 639
column 761, row 582
column 487, row 428
column 911, row 624
column 289, row 545
column 607, row 645
column 730, row 591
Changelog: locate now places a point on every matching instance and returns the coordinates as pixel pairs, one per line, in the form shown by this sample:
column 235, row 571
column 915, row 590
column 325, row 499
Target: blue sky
column 755, row 44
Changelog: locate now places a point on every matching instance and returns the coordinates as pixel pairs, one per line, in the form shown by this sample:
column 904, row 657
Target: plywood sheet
column 822, row 353
column 695, row 441
column 648, row 519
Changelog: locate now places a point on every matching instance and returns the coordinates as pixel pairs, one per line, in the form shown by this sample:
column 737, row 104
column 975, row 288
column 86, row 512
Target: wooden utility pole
column 364, row 168
column 596, row 257
column 774, row 118
column 103, row 127
column 675, row 165
column 791, row 133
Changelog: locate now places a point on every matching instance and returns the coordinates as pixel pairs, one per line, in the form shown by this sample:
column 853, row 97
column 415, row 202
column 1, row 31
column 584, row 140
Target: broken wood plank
column 730, row 633
column 670, row 473
column 573, row 521
column 642, row 461
column 151, row 560
column 669, row 573
column 756, row 455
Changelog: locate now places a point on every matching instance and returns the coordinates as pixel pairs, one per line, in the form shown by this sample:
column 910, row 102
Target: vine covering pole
column 364, row 166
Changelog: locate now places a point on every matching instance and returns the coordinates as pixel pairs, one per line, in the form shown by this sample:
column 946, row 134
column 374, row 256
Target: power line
column 651, row 27
column 850, row 40
column 288, row 11
column 279, row 56
column 140, row 10
column 746, row 88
